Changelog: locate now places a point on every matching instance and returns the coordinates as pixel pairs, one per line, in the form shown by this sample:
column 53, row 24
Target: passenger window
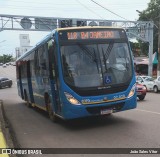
column 51, row 58
column 42, row 58
column 41, row 61
column 36, row 65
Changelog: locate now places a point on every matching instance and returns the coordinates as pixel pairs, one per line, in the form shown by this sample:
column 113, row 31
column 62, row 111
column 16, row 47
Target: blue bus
column 78, row 72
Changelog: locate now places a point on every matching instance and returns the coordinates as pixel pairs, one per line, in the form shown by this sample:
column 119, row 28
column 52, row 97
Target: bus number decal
column 119, row 96
column 72, row 35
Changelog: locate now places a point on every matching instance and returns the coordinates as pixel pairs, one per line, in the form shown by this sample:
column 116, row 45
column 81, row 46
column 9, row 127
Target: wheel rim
column 155, row 89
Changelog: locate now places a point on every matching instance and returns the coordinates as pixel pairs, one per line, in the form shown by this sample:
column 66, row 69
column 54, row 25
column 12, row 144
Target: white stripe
column 148, row 111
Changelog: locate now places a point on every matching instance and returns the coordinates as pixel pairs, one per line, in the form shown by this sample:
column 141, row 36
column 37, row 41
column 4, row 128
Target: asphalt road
column 138, row 128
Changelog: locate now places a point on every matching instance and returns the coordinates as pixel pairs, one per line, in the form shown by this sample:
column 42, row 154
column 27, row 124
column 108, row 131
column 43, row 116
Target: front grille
column 94, row 91
column 98, row 109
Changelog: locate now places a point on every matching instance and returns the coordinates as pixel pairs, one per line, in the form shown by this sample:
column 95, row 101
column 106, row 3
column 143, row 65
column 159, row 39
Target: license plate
column 106, row 111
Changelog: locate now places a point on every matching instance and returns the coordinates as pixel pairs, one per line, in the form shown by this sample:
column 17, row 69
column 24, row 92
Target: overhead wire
column 54, row 5
column 89, row 9
column 109, row 10
column 31, row 2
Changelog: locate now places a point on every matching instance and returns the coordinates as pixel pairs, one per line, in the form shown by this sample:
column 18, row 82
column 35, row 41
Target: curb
column 5, row 132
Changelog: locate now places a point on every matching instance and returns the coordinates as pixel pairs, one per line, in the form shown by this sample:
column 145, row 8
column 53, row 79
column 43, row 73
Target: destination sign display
column 97, row 34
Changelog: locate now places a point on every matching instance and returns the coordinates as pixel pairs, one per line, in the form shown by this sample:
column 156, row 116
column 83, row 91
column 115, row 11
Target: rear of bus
column 96, row 72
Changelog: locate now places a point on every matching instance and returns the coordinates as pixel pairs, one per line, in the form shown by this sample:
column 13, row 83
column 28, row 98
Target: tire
column 141, row 97
column 155, row 88
column 51, row 115
column 107, row 115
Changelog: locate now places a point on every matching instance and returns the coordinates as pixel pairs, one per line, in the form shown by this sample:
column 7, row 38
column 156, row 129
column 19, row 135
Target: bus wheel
column 50, row 111
column 26, row 99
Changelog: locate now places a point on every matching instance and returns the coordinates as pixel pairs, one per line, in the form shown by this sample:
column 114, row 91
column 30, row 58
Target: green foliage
column 6, row 58
column 139, row 48
column 152, row 13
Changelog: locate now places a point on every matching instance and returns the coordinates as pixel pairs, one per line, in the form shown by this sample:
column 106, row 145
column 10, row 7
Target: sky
column 9, row 40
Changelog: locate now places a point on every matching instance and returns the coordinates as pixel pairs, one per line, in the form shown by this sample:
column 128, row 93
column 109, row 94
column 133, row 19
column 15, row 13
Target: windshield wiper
column 107, row 53
column 91, row 55
column 88, row 52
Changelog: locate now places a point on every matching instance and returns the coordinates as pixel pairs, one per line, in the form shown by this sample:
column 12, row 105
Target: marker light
column 132, row 91
column 71, row 99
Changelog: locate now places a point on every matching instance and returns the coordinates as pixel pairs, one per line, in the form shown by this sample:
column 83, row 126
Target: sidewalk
column 5, row 137
column 3, row 143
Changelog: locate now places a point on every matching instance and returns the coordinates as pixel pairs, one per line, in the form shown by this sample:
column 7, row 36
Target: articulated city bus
column 78, row 72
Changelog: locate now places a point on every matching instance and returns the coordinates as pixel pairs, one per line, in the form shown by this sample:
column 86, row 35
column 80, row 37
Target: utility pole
column 150, row 55
column 158, row 66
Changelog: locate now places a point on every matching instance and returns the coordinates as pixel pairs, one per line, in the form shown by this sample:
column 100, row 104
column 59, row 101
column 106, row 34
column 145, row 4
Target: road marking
column 148, row 111
column 3, row 144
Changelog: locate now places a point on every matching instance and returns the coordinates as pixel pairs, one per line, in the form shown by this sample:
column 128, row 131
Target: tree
column 139, row 48
column 152, row 13
column 6, row 58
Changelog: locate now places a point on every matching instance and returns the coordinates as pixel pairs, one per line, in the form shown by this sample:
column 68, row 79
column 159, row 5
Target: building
column 141, row 65
column 24, row 45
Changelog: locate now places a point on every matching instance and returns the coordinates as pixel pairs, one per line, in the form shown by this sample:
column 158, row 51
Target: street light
column 148, row 18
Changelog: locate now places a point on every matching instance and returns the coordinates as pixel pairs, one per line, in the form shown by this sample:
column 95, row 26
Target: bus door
column 40, row 81
column 53, row 74
column 19, row 81
column 30, row 90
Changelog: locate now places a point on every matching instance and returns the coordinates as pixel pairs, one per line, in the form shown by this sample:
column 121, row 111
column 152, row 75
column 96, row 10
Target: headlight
column 71, row 99
column 132, row 91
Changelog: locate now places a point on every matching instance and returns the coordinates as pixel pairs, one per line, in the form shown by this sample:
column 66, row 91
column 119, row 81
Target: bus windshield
column 96, row 64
